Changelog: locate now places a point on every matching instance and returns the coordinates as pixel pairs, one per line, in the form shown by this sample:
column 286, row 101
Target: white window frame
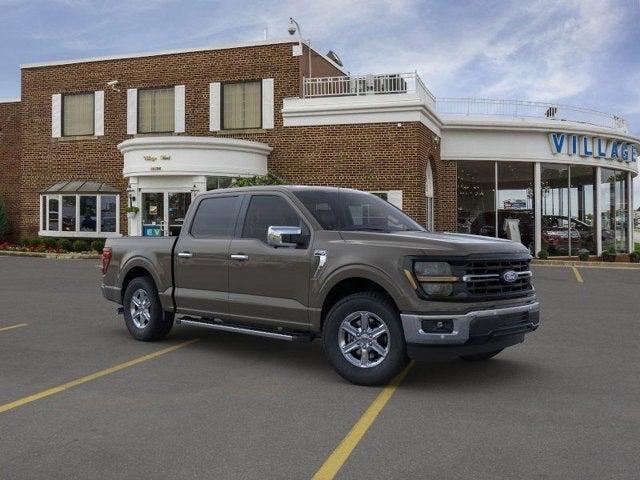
column 44, row 220
column 261, row 103
column 96, row 114
column 394, row 197
column 429, row 193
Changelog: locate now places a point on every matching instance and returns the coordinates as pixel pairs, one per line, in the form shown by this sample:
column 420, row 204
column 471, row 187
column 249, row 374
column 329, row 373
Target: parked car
column 294, row 263
column 484, row 224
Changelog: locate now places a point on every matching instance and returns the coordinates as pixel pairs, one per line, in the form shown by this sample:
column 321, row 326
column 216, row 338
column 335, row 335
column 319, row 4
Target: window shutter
column 215, row 112
column 98, row 112
column 132, row 111
column 56, row 115
column 267, row 103
column 179, row 99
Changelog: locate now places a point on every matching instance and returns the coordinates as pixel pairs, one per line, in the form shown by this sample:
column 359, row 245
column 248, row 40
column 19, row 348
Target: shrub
column 26, row 242
column 634, row 257
column 4, row 221
column 97, row 245
column 543, row 254
column 65, row 244
column 50, row 242
column 268, row 179
column 609, row 255
column 80, row 246
column 583, row 254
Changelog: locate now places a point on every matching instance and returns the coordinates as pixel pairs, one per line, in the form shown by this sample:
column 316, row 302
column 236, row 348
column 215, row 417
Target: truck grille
column 484, row 278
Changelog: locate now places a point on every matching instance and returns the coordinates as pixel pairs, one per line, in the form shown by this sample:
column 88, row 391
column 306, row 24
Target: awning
column 81, row 186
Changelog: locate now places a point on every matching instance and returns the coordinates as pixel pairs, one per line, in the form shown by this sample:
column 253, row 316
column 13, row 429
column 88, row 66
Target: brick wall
column 366, row 156
column 9, row 160
column 45, row 161
column 444, row 179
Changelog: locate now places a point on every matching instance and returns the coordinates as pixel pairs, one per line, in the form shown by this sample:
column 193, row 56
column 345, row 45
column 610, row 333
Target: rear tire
column 143, row 313
column 481, row 357
column 363, row 339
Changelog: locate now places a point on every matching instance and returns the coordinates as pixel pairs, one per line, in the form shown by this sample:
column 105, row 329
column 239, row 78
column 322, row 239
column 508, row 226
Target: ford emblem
column 509, row 276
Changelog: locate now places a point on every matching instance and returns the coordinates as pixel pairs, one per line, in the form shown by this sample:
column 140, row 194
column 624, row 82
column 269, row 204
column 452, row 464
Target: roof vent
column 334, row 57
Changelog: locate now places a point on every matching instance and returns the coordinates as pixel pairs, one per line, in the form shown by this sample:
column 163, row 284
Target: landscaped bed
column 53, row 247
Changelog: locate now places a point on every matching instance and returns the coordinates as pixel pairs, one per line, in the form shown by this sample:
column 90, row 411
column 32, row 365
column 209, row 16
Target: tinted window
column 215, row 217
column 351, row 210
column 269, row 211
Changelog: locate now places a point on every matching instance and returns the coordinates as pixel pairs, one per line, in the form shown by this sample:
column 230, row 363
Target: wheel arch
column 136, row 268
column 354, row 280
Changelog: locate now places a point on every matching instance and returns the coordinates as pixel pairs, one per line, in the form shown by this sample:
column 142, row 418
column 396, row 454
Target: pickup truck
column 298, row 262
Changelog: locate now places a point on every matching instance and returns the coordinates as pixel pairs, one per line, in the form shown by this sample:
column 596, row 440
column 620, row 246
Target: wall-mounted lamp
column 131, row 192
column 194, row 191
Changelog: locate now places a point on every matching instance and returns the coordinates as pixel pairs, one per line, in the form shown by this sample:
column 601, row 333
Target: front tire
column 363, row 339
column 143, row 313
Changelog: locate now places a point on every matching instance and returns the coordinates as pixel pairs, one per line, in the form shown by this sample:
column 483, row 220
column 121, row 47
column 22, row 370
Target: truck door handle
column 240, row 257
column 185, row 254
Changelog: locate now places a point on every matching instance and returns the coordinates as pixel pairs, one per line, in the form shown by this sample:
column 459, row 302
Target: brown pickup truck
column 296, row 262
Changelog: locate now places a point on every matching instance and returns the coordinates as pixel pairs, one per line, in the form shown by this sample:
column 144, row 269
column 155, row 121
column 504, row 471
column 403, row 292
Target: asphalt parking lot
column 565, row 404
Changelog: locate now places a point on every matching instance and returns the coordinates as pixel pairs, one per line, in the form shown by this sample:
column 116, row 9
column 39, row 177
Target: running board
column 289, row 336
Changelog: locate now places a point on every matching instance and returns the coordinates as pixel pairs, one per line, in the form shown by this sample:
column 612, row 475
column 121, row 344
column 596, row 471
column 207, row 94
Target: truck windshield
column 348, row 210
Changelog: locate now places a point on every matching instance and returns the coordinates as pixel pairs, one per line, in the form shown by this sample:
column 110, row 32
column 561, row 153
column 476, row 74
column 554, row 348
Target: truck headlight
column 435, row 278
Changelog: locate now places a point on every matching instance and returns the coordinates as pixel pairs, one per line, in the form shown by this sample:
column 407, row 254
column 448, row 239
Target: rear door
column 269, row 285
column 201, row 257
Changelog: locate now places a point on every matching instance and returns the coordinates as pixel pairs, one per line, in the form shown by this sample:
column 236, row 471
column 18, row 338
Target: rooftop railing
column 526, row 109
column 399, row 83
column 356, row 85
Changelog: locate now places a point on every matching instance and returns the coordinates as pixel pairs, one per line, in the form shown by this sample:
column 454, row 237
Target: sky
column 577, row 52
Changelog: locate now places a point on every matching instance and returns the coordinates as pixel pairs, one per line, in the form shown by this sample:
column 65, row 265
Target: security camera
column 292, row 27
column 113, row 84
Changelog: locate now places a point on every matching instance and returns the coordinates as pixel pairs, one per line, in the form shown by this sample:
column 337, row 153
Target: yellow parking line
column 577, row 274
column 334, row 463
column 4, row 329
column 94, row 376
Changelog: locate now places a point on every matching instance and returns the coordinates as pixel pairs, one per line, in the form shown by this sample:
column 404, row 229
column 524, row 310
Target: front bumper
column 473, row 332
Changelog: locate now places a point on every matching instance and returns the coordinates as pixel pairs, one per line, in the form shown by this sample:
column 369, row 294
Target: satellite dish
column 334, row 56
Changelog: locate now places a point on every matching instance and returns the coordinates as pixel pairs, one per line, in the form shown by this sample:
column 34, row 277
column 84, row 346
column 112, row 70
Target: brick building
column 90, row 137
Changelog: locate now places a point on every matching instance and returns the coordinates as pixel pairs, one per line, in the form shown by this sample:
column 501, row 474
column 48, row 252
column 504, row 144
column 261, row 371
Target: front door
column 153, row 221
column 163, row 213
column 268, row 284
column 201, row 258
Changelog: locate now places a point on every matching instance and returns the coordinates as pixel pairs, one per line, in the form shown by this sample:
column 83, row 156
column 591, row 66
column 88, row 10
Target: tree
column 4, row 221
column 268, row 179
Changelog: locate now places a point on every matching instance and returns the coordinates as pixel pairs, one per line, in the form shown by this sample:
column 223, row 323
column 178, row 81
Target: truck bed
column 153, row 254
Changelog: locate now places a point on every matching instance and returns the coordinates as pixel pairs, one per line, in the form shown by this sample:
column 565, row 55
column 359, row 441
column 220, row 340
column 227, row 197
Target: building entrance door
column 163, row 213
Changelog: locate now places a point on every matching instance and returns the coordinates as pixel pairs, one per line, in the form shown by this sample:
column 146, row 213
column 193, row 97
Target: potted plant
column 131, row 212
column 583, row 254
column 610, row 254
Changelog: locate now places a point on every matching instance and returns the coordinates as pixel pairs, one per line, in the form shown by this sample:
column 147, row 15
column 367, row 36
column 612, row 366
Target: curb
column 56, row 256
column 574, row 263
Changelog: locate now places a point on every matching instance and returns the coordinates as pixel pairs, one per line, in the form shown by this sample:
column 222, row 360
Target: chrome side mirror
column 284, row 236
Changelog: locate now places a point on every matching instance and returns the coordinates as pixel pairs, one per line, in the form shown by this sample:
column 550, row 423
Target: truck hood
column 427, row 243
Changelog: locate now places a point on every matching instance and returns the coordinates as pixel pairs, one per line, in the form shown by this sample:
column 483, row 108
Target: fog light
column 437, row 326
column 438, row 289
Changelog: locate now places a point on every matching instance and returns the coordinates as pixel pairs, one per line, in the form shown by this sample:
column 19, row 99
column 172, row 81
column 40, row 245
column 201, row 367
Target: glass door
column 178, row 204
column 153, row 214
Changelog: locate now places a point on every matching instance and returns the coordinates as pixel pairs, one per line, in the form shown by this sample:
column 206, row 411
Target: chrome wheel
column 364, row 339
column 140, row 308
